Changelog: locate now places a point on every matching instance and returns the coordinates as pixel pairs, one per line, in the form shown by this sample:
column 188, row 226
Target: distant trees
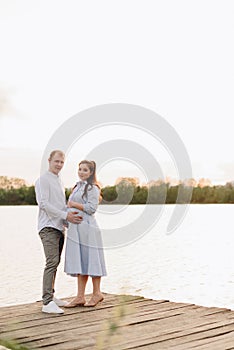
column 128, row 191
column 125, row 190
column 109, row 194
column 140, row 195
column 18, row 196
column 11, row 182
column 158, row 192
column 14, row 191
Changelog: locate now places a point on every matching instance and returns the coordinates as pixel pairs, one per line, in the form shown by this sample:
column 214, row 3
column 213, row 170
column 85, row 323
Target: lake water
column 195, row 264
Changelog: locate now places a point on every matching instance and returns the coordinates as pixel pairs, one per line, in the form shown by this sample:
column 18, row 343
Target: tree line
column 128, row 192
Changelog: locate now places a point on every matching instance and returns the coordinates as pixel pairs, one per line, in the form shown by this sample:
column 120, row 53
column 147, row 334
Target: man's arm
column 42, row 198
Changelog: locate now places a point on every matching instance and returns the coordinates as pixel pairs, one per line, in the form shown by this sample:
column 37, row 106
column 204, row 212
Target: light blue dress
column 84, row 249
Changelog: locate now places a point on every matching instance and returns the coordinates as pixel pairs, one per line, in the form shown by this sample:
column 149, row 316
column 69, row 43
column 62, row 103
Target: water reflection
column 194, row 264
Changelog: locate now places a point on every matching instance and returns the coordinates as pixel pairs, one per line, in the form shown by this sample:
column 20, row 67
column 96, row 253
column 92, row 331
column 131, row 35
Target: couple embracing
column 84, row 253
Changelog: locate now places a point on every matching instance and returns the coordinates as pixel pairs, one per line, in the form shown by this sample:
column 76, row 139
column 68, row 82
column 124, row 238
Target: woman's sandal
column 94, row 301
column 75, row 302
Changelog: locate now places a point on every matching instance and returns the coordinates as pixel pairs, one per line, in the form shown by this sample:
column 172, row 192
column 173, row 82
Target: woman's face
column 84, row 172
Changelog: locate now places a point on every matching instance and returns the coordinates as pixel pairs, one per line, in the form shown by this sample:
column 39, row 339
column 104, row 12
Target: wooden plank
column 26, row 309
column 80, row 330
column 32, row 319
column 217, row 342
column 147, row 324
column 150, row 333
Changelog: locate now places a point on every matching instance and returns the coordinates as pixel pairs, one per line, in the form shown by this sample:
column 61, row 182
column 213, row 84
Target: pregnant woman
column 84, row 255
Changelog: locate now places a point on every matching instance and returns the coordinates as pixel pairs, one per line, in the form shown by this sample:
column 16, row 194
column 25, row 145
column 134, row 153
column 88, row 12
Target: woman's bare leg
column 82, row 281
column 96, row 285
column 97, row 296
column 79, row 300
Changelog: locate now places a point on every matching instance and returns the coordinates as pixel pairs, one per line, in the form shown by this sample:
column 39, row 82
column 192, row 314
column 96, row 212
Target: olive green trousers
column 53, row 241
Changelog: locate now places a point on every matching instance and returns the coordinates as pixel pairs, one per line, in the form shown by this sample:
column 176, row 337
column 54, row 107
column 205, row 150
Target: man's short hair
column 57, row 151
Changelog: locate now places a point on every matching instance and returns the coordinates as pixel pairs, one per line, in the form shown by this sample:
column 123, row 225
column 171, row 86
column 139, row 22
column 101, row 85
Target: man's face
column 56, row 163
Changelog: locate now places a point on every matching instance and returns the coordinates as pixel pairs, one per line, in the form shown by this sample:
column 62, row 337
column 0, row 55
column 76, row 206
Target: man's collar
column 50, row 173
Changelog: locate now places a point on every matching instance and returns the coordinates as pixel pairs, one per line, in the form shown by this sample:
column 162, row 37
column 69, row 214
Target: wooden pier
column 121, row 322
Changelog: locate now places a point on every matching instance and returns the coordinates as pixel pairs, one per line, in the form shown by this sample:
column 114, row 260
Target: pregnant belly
column 79, row 212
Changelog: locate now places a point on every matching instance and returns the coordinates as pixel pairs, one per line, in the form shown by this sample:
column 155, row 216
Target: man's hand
column 73, row 218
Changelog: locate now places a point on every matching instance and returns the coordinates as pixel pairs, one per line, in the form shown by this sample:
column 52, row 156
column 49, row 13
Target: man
column 50, row 196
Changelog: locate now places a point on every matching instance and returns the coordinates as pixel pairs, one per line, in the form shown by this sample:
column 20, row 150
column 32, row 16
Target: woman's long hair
column 92, row 180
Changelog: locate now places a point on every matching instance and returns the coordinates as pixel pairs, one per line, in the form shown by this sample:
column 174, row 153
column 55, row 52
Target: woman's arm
column 92, row 200
column 72, row 204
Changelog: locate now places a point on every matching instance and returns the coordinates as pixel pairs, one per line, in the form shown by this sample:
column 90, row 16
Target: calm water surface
column 194, row 264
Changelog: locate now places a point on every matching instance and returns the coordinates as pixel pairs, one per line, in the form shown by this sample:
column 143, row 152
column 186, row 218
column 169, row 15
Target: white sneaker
column 60, row 302
column 52, row 308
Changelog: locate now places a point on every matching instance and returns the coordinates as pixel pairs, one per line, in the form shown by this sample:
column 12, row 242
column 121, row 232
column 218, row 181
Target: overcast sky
column 60, row 57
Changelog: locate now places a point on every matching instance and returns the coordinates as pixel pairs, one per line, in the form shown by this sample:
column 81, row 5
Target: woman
column 84, row 253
